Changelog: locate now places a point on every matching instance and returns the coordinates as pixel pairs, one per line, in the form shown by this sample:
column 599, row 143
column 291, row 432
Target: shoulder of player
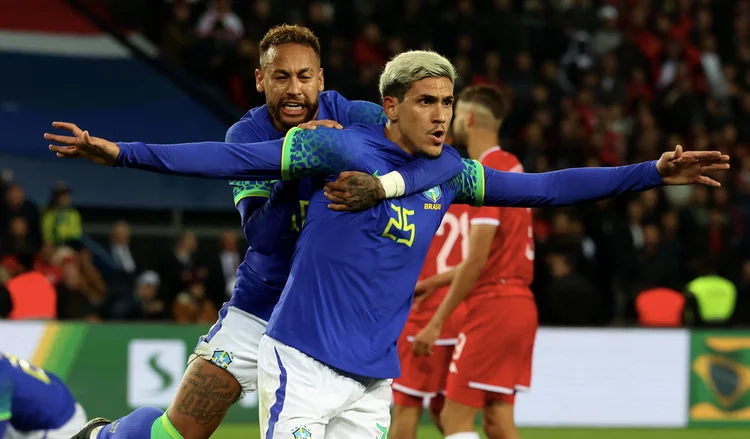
column 247, row 129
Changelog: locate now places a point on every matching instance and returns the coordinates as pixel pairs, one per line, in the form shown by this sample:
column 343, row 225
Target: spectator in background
column 570, row 300
column 17, row 239
column 367, row 50
column 32, row 296
column 61, row 223
column 178, row 36
column 660, row 307
column 179, row 270
column 220, row 15
column 608, row 38
column 16, row 205
column 140, row 302
column 222, row 269
column 192, row 306
column 148, row 305
column 120, row 249
column 712, row 299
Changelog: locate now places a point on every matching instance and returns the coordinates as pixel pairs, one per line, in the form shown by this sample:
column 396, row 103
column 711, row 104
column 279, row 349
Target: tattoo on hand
column 208, row 396
column 364, row 191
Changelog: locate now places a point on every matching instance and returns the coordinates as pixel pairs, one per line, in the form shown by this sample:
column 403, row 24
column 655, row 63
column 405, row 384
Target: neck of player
column 480, row 140
column 393, row 133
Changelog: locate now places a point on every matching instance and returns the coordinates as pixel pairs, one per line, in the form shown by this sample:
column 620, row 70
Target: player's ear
column 259, row 81
column 470, row 119
column 322, row 84
column 390, row 107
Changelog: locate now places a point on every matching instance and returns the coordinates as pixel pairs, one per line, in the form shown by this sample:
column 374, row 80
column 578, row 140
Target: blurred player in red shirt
column 492, row 359
column 425, row 376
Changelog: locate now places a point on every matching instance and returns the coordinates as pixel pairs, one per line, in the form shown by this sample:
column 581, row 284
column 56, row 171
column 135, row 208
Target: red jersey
column 511, row 258
column 448, row 248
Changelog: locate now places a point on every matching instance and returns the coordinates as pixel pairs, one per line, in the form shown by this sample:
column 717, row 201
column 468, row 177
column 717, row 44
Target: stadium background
column 590, row 83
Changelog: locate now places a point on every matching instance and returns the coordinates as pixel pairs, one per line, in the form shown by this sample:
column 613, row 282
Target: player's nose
column 440, row 116
column 295, row 87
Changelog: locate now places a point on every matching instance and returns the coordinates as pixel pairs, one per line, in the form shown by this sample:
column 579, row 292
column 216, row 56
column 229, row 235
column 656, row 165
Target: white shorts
column 301, row 397
column 68, row 430
column 232, row 344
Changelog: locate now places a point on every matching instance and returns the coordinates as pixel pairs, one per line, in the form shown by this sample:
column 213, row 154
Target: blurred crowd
column 590, row 83
column 50, row 269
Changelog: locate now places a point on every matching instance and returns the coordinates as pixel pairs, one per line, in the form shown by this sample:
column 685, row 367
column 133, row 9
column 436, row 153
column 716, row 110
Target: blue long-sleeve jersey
column 32, row 399
column 272, row 230
column 353, row 274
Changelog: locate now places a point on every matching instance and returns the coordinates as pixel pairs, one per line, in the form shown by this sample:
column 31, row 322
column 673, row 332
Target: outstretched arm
column 478, row 185
column 301, row 153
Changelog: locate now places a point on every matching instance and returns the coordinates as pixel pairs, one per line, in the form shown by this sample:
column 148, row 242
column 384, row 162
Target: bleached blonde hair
column 406, row 68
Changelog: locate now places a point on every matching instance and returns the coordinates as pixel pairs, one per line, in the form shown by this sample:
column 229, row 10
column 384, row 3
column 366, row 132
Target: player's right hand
column 354, row 191
column 424, row 340
column 327, row 123
column 82, row 145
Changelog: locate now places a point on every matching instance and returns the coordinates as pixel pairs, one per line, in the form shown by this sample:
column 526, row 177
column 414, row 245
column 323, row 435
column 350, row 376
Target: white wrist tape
column 393, row 184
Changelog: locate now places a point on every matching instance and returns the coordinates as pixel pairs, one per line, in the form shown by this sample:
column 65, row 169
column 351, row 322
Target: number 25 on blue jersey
column 399, row 228
column 27, row 368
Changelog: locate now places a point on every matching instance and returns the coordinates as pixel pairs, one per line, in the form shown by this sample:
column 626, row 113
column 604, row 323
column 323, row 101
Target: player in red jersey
column 492, row 359
column 421, row 376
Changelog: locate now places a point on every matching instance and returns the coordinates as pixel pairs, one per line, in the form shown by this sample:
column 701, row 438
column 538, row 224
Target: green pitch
column 239, row 431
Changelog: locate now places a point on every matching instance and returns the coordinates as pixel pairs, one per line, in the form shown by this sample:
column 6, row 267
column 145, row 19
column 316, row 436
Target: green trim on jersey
column 245, row 189
column 469, row 184
column 286, row 153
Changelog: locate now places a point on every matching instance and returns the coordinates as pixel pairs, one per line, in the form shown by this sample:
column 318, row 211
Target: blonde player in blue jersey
column 330, row 352
column 34, row 403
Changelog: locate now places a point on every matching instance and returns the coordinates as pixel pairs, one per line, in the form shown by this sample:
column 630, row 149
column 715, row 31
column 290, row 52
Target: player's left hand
column 424, row 341
column 679, row 167
column 353, row 191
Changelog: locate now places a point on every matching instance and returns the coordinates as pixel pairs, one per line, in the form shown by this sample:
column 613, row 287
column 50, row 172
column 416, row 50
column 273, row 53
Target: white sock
column 464, row 435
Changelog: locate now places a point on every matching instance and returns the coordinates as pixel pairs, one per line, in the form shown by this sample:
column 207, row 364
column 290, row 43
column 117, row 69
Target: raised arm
column 478, row 185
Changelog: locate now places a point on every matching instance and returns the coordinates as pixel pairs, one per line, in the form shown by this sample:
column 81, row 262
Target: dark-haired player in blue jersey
column 34, row 403
column 292, row 81
column 329, row 352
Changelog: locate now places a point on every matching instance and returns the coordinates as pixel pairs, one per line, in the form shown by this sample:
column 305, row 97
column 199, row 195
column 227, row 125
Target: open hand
column 82, row 145
column 678, row 167
column 354, row 191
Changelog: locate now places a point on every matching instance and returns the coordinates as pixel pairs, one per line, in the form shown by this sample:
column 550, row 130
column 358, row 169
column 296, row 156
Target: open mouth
column 438, row 136
column 293, row 109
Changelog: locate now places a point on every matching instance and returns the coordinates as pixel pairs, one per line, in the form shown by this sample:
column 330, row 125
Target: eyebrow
column 286, row 72
column 437, row 98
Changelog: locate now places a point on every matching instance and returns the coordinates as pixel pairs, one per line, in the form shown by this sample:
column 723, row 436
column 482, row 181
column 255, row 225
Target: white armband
column 393, row 184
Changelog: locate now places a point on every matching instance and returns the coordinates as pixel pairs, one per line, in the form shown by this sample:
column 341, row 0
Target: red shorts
column 492, row 360
column 423, row 376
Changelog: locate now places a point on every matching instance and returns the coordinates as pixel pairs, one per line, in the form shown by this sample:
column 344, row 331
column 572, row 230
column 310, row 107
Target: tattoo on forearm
column 208, row 396
column 364, row 190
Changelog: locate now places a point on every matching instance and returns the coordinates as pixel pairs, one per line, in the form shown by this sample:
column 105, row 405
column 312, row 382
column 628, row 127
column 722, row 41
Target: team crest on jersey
column 433, row 194
column 301, row 433
column 221, row 358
